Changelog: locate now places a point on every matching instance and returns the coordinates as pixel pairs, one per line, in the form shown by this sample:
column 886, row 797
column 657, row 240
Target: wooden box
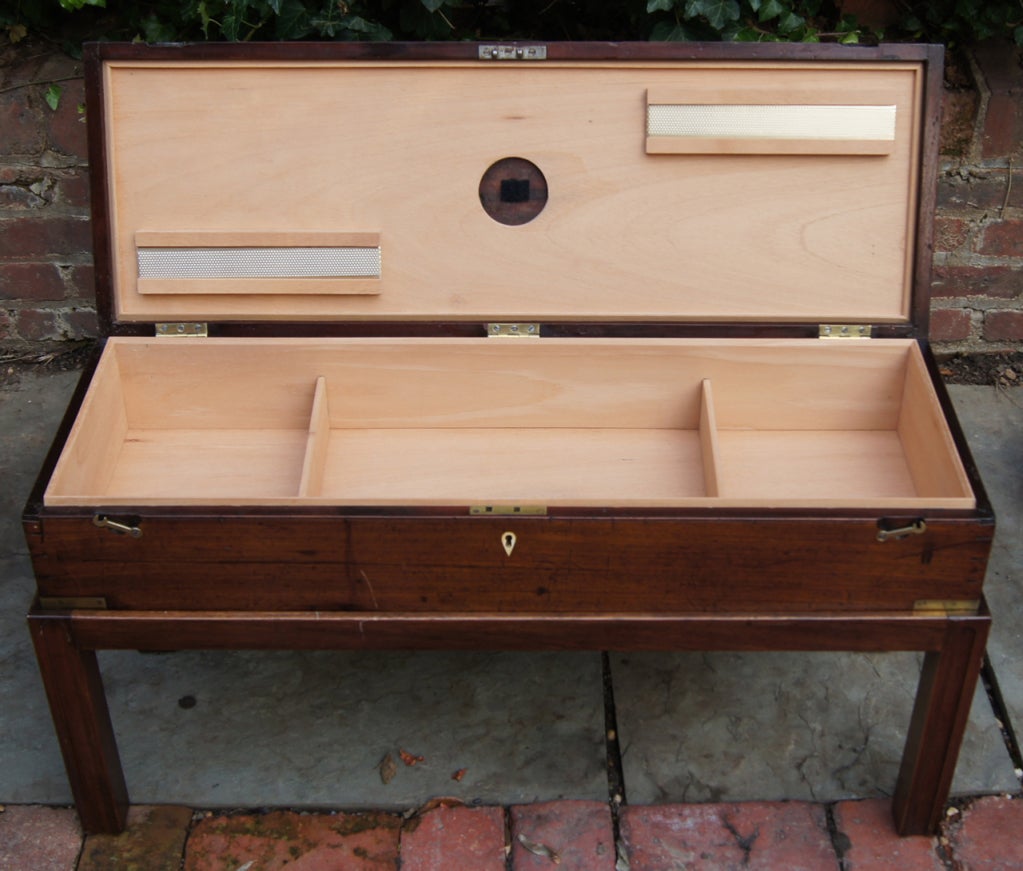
column 561, row 346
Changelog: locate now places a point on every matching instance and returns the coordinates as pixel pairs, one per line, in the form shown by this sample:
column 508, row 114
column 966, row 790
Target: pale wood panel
column 249, row 239
column 535, row 466
column 316, row 443
column 90, row 453
column 566, row 422
column 711, row 453
column 814, row 464
column 623, row 234
column 262, row 287
column 930, row 451
column 224, row 465
column 766, row 145
column 388, row 383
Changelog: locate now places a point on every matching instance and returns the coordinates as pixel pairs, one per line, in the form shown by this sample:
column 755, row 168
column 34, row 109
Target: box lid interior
column 670, row 191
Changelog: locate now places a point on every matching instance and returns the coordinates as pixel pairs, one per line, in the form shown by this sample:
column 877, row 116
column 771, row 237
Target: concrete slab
column 770, row 726
column 993, row 420
column 311, row 729
column 733, row 727
column 30, row 765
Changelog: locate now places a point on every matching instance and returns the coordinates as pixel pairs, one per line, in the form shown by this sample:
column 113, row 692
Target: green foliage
column 948, row 21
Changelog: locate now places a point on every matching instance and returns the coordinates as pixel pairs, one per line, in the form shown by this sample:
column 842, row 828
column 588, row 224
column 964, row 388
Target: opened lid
column 252, row 185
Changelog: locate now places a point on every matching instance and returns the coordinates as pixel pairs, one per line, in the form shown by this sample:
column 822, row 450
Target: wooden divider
column 316, row 443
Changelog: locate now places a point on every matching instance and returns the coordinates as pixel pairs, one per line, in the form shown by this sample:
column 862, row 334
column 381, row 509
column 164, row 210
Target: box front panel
column 550, row 564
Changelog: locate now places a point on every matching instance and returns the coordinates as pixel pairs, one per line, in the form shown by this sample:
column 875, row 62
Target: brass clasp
column 104, row 522
column 917, row 527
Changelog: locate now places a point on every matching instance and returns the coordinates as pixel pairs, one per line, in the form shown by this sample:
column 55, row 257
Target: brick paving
column 982, row 834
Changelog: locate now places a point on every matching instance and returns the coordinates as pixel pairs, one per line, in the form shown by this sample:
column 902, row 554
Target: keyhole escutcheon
column 508, row 540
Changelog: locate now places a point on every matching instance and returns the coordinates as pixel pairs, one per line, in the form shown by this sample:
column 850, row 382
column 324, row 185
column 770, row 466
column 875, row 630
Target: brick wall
column 46, row 281
column 977, row 290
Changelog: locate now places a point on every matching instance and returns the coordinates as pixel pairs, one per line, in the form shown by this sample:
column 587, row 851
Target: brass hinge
column 73, row 603
column 946, row 606
column 520, row 510
column 844, row 331
column 182, row 330
column 513, row 52
column 513, row 331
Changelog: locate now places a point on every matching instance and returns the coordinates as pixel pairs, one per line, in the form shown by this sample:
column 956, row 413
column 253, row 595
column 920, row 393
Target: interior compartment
column 471, row 422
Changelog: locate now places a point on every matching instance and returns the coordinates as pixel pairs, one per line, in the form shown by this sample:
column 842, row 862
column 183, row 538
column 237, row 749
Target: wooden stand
column 686, row 453
column 66, row 645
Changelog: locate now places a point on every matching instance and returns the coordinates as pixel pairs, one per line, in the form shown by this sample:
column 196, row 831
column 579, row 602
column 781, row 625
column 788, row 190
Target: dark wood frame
column 860, row 600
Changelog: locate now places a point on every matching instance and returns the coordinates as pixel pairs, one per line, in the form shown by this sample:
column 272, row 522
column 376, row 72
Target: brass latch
column 946, row 606
column 513, row 52
column 104, row 522
column 917, row 527
column 182, row 330
column 844, row 331
column 513, row 331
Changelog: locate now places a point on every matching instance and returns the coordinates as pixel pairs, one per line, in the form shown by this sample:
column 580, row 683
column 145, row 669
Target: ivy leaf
column 770, row 9
column 717, row 12
column 790, row 22
column 292, row 19
column 433, row 5
column 669, row 31
column 52, row 96
column 659, row 6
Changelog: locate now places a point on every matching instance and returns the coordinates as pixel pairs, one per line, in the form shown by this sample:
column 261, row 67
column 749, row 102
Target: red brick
column 37, row 325
column 1003, row 126
column 1001, row 282
column 73, row 189
column 21, row 123
column 958, row 118
column 30, row 281
column 708, row 837
column 82, row 281
column 579, row 832
column 950, row 233
column 16, row 197
column 874, row 845
column 82, row 324
column 39, row 838
column 457, row 837
column 1003, row 238
column 5, row 326
column 987, row 835
column 26, row 238
column 312, row 842
column 66, row 125
column 1002, row 326
column 154, row 839
column 1000, row 62
column 981, row 190
column 950, row 325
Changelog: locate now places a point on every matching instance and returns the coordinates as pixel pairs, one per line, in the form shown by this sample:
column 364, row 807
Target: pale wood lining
column 709, row 440
column 316, row 443
column 253, row 239
column 754, row 145
column 213, row 287
column 94, row 443
column 207, row 424
column 926, row 440
column 616, row 218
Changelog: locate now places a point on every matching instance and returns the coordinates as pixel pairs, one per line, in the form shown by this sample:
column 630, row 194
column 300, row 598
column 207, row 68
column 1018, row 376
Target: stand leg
column 942, row 707
column 81, row 718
